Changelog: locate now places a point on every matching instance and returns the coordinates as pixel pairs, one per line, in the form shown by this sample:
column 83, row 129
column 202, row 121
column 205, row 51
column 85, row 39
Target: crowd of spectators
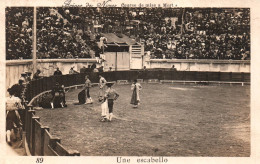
column 203, row 34
column 19, row 22
column 190, row 33
column 196, row 46
column 182, row 33
column 58, row 37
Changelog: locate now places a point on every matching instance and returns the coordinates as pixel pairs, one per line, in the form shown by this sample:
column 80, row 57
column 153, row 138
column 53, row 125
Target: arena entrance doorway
column 121, row 52
column 115, row 61
column 137, row 52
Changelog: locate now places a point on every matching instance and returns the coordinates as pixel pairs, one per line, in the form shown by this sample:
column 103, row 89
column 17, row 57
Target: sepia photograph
column 128, row 82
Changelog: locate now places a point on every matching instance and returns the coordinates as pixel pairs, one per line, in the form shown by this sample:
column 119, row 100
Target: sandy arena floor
column 172, row 120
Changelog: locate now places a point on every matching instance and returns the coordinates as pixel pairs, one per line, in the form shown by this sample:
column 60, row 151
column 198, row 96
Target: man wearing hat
column 110, row 95
column 29, row 74
column 23, row 77
column 18, row 89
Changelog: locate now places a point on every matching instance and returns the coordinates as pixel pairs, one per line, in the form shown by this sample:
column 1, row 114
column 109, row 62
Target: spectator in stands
column 57, row 72
column 69, row 55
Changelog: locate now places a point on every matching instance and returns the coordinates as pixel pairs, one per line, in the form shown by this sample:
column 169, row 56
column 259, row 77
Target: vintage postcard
column 115, row 81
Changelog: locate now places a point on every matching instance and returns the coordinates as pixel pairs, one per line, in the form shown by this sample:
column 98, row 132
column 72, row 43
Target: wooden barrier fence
column 46, row 83
column 39, row 140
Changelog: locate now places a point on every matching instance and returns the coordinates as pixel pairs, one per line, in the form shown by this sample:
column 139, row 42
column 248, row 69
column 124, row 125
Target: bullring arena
column 176, row 117
column 192, row 64
column 167, row 123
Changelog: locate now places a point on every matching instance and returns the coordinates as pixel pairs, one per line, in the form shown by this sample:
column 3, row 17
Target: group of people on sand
column 107, row 95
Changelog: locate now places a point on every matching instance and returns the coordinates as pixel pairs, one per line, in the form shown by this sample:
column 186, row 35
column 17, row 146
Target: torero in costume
column 135, row 87
column 110, row 96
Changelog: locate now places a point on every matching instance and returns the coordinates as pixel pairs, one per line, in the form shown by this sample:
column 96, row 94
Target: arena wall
column 201, row 65
column 14, row 68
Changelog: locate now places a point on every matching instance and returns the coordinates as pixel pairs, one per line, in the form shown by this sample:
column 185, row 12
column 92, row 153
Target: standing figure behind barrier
column 72, row 71
column 58, row 96
column 173, row 68
column 29, row 78
column 24, row 78
column 37, row 75
column 57, row 72
column 101, row 69
column 102, row 88
column 13, row 121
